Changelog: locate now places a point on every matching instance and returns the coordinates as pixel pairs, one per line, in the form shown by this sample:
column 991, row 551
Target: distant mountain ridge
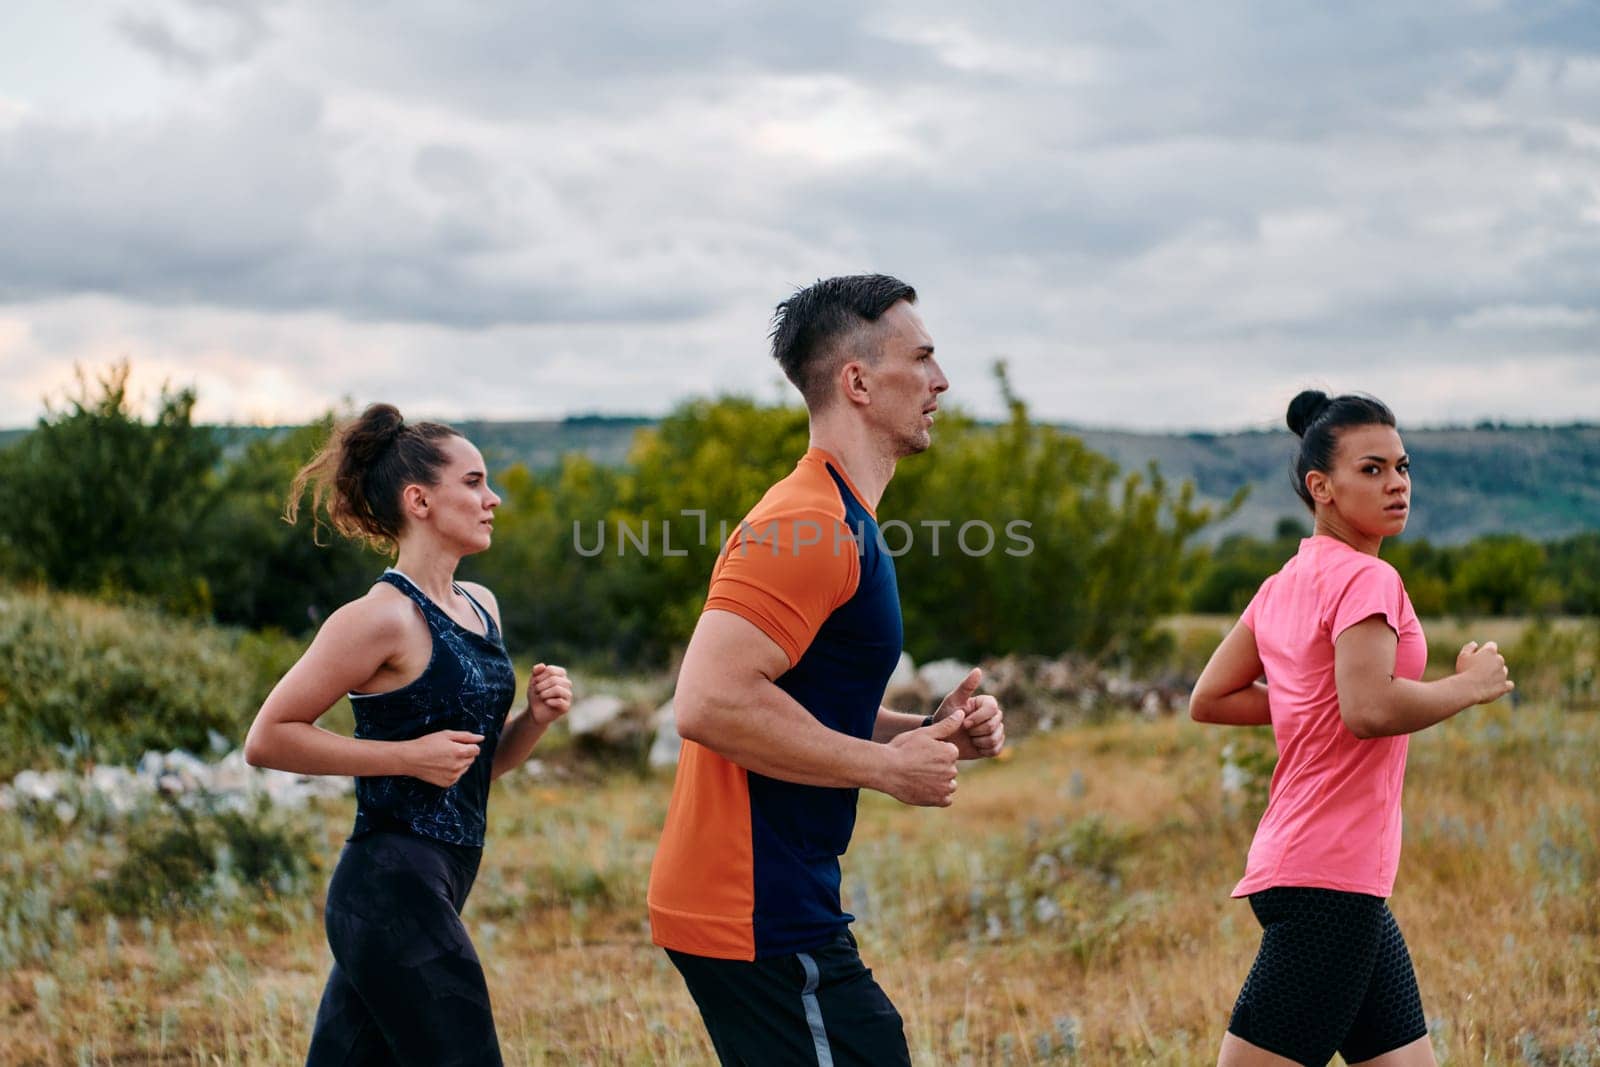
column 1540, row 481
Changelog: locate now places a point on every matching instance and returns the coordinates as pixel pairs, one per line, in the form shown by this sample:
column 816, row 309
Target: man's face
column 904, row 381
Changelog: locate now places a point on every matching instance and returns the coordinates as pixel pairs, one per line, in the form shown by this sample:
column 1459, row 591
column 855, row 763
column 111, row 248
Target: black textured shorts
column 810, row 1009
column 1333, row 975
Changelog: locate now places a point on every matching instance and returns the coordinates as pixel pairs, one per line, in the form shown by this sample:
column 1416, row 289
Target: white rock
column 905, row 672
column 943, row 675
column 233, row 775
column 230, row 782
column 32, row 785
column 593, row 713
column 665, row 748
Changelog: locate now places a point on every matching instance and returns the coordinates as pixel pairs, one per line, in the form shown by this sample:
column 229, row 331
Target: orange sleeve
column 787, row 574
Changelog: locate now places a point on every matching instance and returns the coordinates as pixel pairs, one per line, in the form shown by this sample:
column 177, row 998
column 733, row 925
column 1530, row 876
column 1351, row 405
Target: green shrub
column 80, row 680
column 183, row 859
column 1558, row 663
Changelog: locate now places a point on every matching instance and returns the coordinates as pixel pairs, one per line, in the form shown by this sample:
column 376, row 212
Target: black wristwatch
column 927, row 720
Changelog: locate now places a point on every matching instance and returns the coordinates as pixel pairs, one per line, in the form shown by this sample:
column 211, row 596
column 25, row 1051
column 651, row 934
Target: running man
column 778, row 703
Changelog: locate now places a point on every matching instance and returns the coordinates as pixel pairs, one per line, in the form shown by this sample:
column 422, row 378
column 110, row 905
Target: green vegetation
column 602, row 559
column 1107, row 553
column 1043, row 544
column 84, row 681
column 95, row 500
column 179, row 859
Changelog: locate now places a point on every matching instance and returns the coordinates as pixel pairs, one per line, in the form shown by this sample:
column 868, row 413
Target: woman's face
column 460, row 506
column 1369, row 484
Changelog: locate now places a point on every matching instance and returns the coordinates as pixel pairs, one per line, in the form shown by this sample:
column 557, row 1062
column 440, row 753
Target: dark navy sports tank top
column 468, row 684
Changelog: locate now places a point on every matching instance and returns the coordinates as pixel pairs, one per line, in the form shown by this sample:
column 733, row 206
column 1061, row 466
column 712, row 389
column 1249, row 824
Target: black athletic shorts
column 1333, row 975
column 818, row 1009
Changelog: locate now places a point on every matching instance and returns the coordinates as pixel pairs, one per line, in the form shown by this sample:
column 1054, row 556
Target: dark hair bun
column 372, row 433
column 382, row 421
column 1305, row 409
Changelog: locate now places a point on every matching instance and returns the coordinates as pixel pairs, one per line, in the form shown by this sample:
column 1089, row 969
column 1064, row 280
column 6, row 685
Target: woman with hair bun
column 1343, row 654
column 422, row 660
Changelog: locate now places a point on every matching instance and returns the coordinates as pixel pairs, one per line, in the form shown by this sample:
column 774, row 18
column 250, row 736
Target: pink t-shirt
column 1333, row 813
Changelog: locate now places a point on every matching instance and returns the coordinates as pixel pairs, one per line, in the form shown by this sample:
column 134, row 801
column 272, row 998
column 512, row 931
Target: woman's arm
column 1229, row 692
column 549, row 698
column 1374, row 703
column 349, row 649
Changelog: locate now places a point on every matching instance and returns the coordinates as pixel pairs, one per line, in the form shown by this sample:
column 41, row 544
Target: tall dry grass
column 1072, row 907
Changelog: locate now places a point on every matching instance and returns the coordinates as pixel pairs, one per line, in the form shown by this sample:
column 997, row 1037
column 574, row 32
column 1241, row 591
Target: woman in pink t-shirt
column 1343, row 654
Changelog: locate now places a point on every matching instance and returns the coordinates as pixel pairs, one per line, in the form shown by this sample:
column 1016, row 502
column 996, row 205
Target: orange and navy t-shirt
column 748, row 866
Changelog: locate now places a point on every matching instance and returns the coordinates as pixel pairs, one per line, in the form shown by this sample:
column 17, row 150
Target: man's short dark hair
column 812, row 327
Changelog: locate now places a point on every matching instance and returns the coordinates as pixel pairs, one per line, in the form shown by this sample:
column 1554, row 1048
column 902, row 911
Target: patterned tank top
column 468, row 684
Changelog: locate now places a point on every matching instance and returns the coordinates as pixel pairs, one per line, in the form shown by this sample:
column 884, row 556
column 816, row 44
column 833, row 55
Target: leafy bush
column 1560, row 664
column 1107, row 557
column 98, row 501
column 182, row 859
column 80, row 680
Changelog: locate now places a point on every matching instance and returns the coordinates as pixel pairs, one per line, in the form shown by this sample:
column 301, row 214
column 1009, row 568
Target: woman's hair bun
column 1305, row 408
column 371, row 434
column 381, row 419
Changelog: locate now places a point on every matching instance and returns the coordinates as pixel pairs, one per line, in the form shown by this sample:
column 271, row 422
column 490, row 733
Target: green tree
column 1102, row 557
column 1499, row 575
column 1573, row 567
column 1234, row 569
column 709, row 458
column 1426, row 569
column 554, row 602
column 263, row 572
column 95, row 499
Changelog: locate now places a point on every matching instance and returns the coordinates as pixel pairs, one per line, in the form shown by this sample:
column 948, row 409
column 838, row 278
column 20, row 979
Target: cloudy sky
column 1163, row 214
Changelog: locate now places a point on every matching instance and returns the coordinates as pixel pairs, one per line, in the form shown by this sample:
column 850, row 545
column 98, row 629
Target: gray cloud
column 1171, row 186
column 198, row 37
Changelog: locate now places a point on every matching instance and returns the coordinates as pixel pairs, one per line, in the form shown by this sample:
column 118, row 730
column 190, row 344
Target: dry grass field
column 1071, row 908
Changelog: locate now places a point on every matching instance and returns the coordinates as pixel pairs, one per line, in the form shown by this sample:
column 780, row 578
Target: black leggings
column 406, row 985
column 1333, row 975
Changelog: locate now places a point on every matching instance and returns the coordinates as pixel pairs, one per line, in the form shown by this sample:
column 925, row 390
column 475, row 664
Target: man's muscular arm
column 727, row 701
